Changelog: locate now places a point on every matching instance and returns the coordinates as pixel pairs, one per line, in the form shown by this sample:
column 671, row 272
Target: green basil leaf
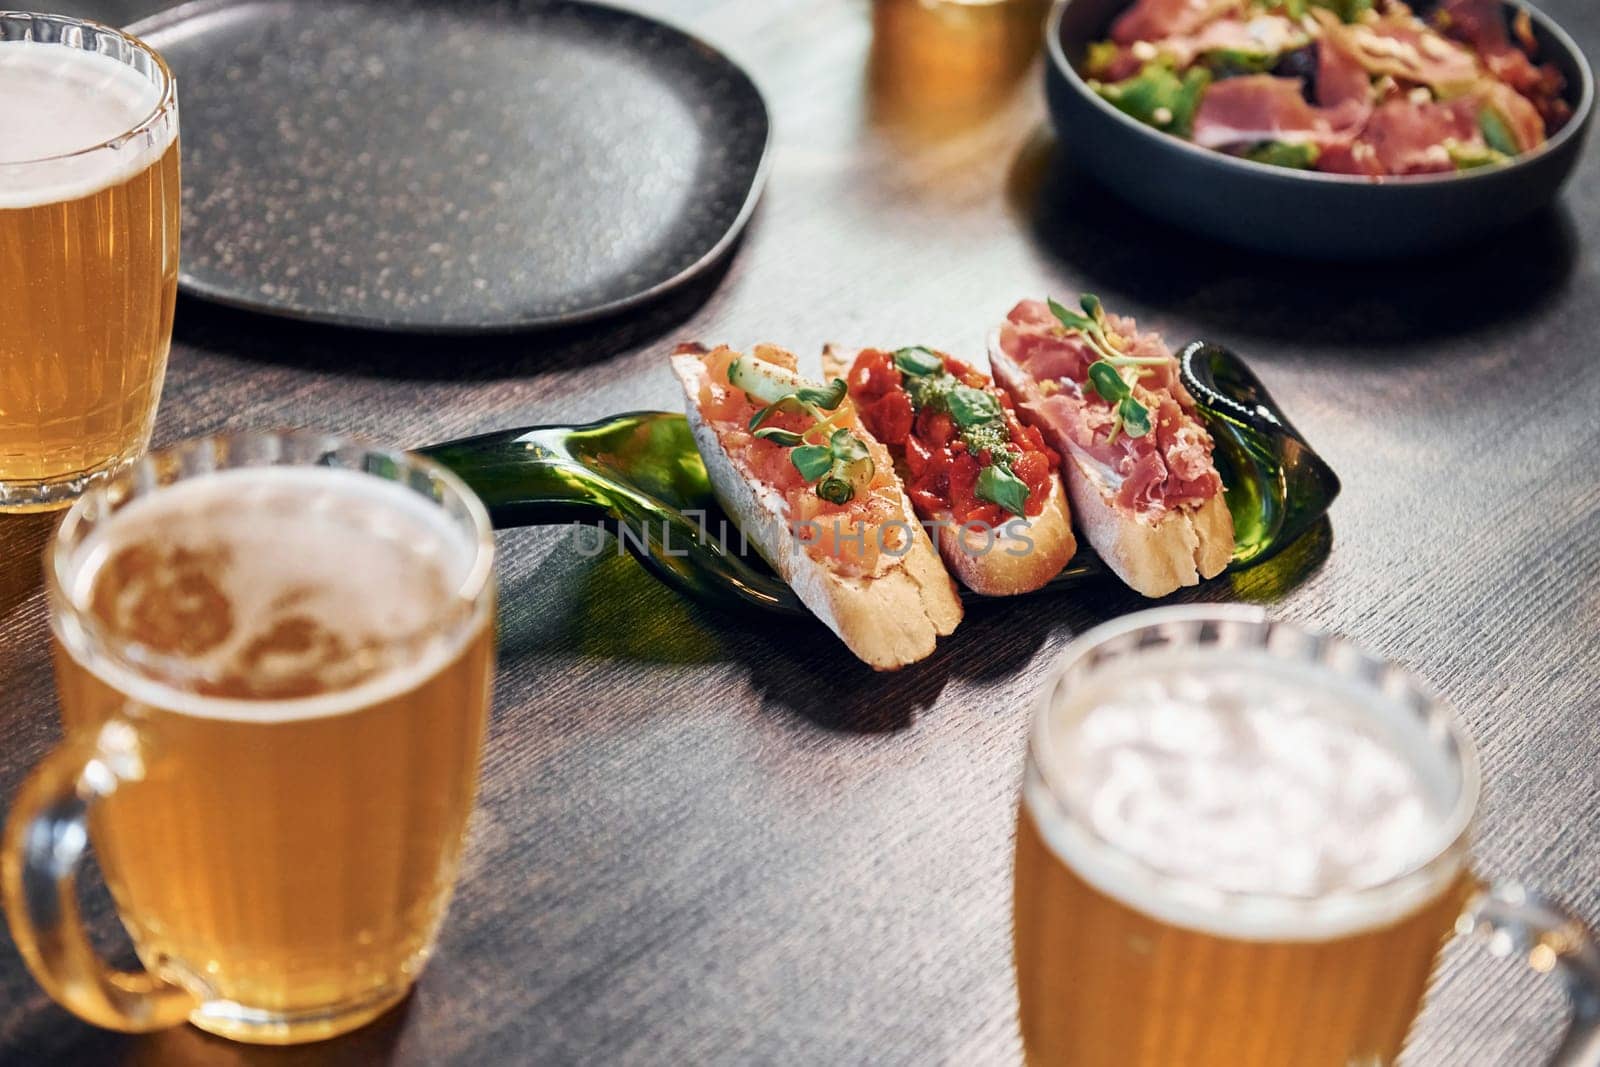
column 778, row 435
column 1158, row 97
column 826, row 398
column 918, row 361
column 846, row 447
column 1496, row 132
column 1104, row 379
column 1300, row 156
column 812, row 461
column 970, row 407
column 1071, row 319
column 1135, row 417
column 998, row 485
column 1470, row 156
column 1347, row 10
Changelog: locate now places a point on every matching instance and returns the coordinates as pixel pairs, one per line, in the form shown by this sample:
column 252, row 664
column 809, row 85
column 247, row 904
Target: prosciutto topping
column 1262, row 35
column 1340, row 76
column 1260, row 107
column 1406, row 138
column 1481, row 25
column 1404, row 49
column 1152, row 20
column 1169, row 467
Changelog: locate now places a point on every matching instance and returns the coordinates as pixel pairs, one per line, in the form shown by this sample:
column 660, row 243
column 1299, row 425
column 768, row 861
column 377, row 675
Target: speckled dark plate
column 453, row 165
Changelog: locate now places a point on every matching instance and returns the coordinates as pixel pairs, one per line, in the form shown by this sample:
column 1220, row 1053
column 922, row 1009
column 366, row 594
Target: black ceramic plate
column 453, row 165
column 1304, row 213
column 639, row 476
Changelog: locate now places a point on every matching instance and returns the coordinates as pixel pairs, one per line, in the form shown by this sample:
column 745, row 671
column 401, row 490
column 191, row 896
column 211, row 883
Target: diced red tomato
column 941, row 475
column 965, row 374
column 963, row 476
column 936, row 428
column 917, row 456
column 890, row 416
column 872, row 375
column 1034, row 470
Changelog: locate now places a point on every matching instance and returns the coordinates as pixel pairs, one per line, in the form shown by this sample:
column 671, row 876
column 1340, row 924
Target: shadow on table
column 609, row 607
column 805, row 669
column 51, row 1037
column 380, row 354
column 1075, row 220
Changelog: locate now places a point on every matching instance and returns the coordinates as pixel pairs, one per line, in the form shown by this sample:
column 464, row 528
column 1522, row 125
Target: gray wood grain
column 707, row 840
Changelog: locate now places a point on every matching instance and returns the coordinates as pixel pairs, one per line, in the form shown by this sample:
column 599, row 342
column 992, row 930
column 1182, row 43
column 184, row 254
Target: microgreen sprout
column 1092, row 325
column 834, row 466
column 1127, row 413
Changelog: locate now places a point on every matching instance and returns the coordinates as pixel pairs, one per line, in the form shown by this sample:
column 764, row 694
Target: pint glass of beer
column 88, row 252
column 1243, row 844
column 273, row 655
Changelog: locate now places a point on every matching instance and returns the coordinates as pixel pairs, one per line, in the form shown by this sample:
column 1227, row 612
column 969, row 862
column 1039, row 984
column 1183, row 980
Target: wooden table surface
column 705, row 840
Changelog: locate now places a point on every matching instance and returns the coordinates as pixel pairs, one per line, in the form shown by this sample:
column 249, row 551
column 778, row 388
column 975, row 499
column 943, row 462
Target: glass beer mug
column 89, row 236
column 1241, row 843
column 274, row 654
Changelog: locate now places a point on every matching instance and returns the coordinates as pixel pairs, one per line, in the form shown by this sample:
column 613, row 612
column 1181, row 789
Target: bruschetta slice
column 817, row 496
column 1136, row 459
column 988, row 485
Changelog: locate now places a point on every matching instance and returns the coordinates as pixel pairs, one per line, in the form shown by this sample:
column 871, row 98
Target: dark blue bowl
column 1293, row 212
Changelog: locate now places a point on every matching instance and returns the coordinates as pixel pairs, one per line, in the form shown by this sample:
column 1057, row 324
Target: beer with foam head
column 1223, row 858
column 88, row 253
column 284, row 671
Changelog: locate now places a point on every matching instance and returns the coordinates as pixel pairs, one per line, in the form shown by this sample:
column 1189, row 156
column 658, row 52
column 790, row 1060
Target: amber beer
column 942, row 62
column 1223, row 859
column 287, row 668
column 88, row 253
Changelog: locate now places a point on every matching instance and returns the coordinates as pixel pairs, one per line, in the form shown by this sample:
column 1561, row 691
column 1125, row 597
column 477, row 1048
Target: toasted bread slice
column 889, row 617
column 1017, row 557
column 1155, row 556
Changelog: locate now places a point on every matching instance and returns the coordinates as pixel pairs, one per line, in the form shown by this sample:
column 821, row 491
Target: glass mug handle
column 1512, row 918
column 45, row 837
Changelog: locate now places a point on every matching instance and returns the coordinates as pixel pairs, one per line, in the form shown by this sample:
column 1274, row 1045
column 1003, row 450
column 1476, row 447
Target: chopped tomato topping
column 890, row 416
column 851, row 533
column 940, row 475
column 872, row 375
column 1034, row 468
column 935, row 428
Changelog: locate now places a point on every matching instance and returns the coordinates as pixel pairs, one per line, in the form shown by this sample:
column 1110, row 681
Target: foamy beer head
column 89, row 223
column 287, row 640
column 268, row 586
column 63, row 103
column 1238, row 845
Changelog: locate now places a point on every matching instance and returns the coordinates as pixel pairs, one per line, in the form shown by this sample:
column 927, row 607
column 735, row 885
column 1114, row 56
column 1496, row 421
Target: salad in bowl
column 1372, row 88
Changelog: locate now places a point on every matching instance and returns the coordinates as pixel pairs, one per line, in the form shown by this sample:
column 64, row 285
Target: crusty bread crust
column 888, row 619
column 1008, row 561
column 1155, row 557
column 998, row 562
